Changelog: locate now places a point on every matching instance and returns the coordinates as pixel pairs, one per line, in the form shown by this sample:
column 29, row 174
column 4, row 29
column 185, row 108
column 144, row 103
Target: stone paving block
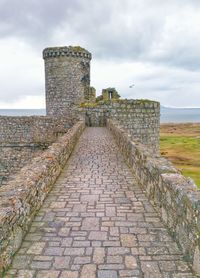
column 43, row 258
column 63, row 232
column 36, row 248
column 107, row 274
column 154, row 275
column 25, row 274
column 54, row 244
column 128, row 240
column 99, row 255
column 97, row 235
column 54, row 251
column 89, row 198
column 82, row 260
column 57, row 205
column 114, row 259
column 110, row 243
column 114, row 231
column 84, row 243
column 48, row 274
column 110, row 211
column 146, row 237
column 79, row 208
column 61, row 262
column 74, row 251
column 90, row 224
column 111, row 266
column 131, row 262
column 112, row 251
column 150, row 267
column 88, row 270
column 157, row 250
column 108, row 223
column 69, row 274
column 40, row 265
column 130, row 273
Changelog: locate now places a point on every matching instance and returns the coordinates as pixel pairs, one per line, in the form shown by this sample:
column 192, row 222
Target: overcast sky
column 154, row 44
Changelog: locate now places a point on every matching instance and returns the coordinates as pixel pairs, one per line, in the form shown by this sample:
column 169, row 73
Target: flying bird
column 131, row 86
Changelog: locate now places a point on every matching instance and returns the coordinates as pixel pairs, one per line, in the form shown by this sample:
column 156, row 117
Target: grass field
column 180, row 143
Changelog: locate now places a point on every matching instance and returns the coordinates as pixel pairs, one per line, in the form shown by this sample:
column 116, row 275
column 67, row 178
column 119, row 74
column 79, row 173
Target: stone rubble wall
column 176, row 198
column 22, row 138
column 140, row 117
column 22, row 197
column 32, row 129
column 14, row 157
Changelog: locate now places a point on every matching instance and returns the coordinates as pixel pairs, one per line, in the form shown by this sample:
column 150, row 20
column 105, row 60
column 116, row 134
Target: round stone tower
column 67, row 78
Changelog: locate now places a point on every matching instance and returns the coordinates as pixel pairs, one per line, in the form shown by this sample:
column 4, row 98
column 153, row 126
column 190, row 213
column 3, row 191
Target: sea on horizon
column 22, row 112
column 180, row 115
column 168, row 115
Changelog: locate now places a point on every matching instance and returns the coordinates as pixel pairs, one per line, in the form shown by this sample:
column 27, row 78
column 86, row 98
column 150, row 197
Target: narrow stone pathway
column 97, row 222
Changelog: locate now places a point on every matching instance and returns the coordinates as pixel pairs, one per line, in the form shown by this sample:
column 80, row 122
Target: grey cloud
column 14, row 93
column 170, row 86
column 182, row 57
column 123, row 30
column 33, row 20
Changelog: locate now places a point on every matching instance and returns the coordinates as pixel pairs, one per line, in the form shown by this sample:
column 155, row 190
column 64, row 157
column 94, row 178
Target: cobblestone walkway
column 97, row 222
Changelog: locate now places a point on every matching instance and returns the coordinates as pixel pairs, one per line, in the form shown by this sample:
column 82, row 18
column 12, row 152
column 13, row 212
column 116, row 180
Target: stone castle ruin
column 68, row 93
column 69, row 97
column 35, row 149
column 67, row 78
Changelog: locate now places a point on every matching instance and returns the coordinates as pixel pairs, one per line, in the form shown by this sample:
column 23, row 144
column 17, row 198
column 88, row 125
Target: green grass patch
column 184, row 152
column 193, row 172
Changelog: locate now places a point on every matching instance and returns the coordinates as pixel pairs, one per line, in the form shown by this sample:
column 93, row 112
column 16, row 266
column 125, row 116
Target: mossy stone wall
column 140, row 117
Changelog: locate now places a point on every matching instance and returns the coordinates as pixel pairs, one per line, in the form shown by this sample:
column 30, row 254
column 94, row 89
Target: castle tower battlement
column 67, row 78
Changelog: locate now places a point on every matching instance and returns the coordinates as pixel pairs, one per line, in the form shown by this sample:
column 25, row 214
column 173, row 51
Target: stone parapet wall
column 96, row 115
column 176, row 198
column 32, row 129
column 140, row 117
column 22, row 197
column 14, row 157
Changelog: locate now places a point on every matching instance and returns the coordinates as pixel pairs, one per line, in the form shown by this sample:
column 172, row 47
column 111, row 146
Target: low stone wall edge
column 22, row 197
column 176, row 198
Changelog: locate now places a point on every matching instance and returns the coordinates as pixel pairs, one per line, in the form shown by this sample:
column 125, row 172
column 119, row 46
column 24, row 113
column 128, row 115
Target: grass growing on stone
column 180, row 143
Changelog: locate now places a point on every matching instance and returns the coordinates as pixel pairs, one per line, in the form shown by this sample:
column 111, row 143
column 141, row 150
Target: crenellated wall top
column 70, row 51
